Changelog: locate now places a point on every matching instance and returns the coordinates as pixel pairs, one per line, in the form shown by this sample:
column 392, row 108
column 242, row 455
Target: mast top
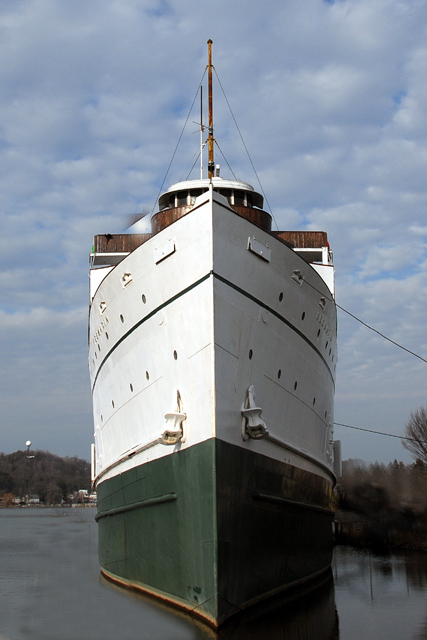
column 211, row 162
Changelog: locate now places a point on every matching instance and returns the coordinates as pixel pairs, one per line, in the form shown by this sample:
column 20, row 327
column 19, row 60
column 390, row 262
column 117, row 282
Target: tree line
column 416, row 434
column 50, row 477
column 367, row 488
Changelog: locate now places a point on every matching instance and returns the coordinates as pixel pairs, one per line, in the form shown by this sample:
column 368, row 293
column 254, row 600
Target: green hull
column 214, row 528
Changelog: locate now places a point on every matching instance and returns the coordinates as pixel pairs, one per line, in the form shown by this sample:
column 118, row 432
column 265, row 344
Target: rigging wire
column 177, row 144
column 268, row 204
column 380, row 433
column 396, row 344
column 226, row 161
column 339, row 424
column 349, row 426
column 192, row 166
column 246, row 149
column 219, row 148
column 390, row 435
column 381, row 334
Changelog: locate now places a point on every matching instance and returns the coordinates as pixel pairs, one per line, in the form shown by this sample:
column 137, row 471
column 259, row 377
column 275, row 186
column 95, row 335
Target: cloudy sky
column 331, row 100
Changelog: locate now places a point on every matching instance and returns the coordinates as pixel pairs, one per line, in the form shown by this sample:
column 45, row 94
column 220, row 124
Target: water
column 51, row 589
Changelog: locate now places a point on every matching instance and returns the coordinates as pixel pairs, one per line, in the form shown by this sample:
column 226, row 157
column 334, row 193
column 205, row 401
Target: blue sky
column 331, row 99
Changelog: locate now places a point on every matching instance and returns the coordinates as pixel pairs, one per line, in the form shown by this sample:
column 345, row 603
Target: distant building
column 82, row 497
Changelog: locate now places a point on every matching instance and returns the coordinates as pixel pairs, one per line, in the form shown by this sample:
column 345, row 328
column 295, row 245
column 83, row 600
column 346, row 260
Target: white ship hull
column 213, row 333
column 216, row 319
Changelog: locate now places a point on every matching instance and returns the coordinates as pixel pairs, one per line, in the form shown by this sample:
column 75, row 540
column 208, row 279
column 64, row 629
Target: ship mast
column 211, row 163
column 202, row 144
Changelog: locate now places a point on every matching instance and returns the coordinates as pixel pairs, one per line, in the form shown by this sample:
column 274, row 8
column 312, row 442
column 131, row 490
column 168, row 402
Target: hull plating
column 214, row 529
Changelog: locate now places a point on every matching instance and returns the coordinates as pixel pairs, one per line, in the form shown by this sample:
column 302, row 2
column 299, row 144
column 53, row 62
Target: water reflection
column 368, row 596
column 380, row 596
column 50, row 588
column 311, row 617
column 308, row 615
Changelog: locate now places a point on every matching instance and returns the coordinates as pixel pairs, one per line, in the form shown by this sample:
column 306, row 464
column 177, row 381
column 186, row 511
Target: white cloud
column 331, row 101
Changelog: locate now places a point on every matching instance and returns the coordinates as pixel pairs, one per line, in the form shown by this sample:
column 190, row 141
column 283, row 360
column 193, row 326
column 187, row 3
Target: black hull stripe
column 278, row 316
column 190, row 288
column 147, row 317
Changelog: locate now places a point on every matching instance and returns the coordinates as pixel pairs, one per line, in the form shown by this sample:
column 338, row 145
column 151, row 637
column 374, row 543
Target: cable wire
column 416, row 355
column 380, row 433
column 246, row 149
column 396, row 344
column 381, row 334
column 192, row 167
column 225, row 159
column 177, row 144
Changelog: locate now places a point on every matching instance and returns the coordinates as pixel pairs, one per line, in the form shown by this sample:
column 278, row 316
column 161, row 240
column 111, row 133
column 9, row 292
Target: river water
column 51, row 589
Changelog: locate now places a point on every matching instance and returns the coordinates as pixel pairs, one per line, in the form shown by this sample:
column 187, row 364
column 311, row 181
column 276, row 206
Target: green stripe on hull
column 214, row 528
column 169, row 547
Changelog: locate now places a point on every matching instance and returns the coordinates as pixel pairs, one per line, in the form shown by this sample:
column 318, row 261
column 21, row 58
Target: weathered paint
column 214, row 528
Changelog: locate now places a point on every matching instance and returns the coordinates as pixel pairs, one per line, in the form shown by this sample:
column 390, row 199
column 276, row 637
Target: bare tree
column 416, row 434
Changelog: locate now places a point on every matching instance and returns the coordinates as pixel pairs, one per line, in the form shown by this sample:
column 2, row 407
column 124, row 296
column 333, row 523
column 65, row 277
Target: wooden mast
column 211, row 163
column 201, row 132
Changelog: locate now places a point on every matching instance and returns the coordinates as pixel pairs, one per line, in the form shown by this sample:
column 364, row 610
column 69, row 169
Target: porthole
column 175, row 355
column 295, row 385
column 250, row 354
column 122, row 318
column 131, row 386
column 279, row 374
column 303, row 315
column 281, row 296
column 143, row 298
column 147, row 375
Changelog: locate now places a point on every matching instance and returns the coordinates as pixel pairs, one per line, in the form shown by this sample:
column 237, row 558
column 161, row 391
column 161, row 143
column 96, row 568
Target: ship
column 212, row 358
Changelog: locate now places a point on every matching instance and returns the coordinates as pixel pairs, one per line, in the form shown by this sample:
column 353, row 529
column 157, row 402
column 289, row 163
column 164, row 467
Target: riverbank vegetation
column 383, row 506
column 39, row 473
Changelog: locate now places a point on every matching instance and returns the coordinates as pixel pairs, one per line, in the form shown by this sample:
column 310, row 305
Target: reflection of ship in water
column 309, row 613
